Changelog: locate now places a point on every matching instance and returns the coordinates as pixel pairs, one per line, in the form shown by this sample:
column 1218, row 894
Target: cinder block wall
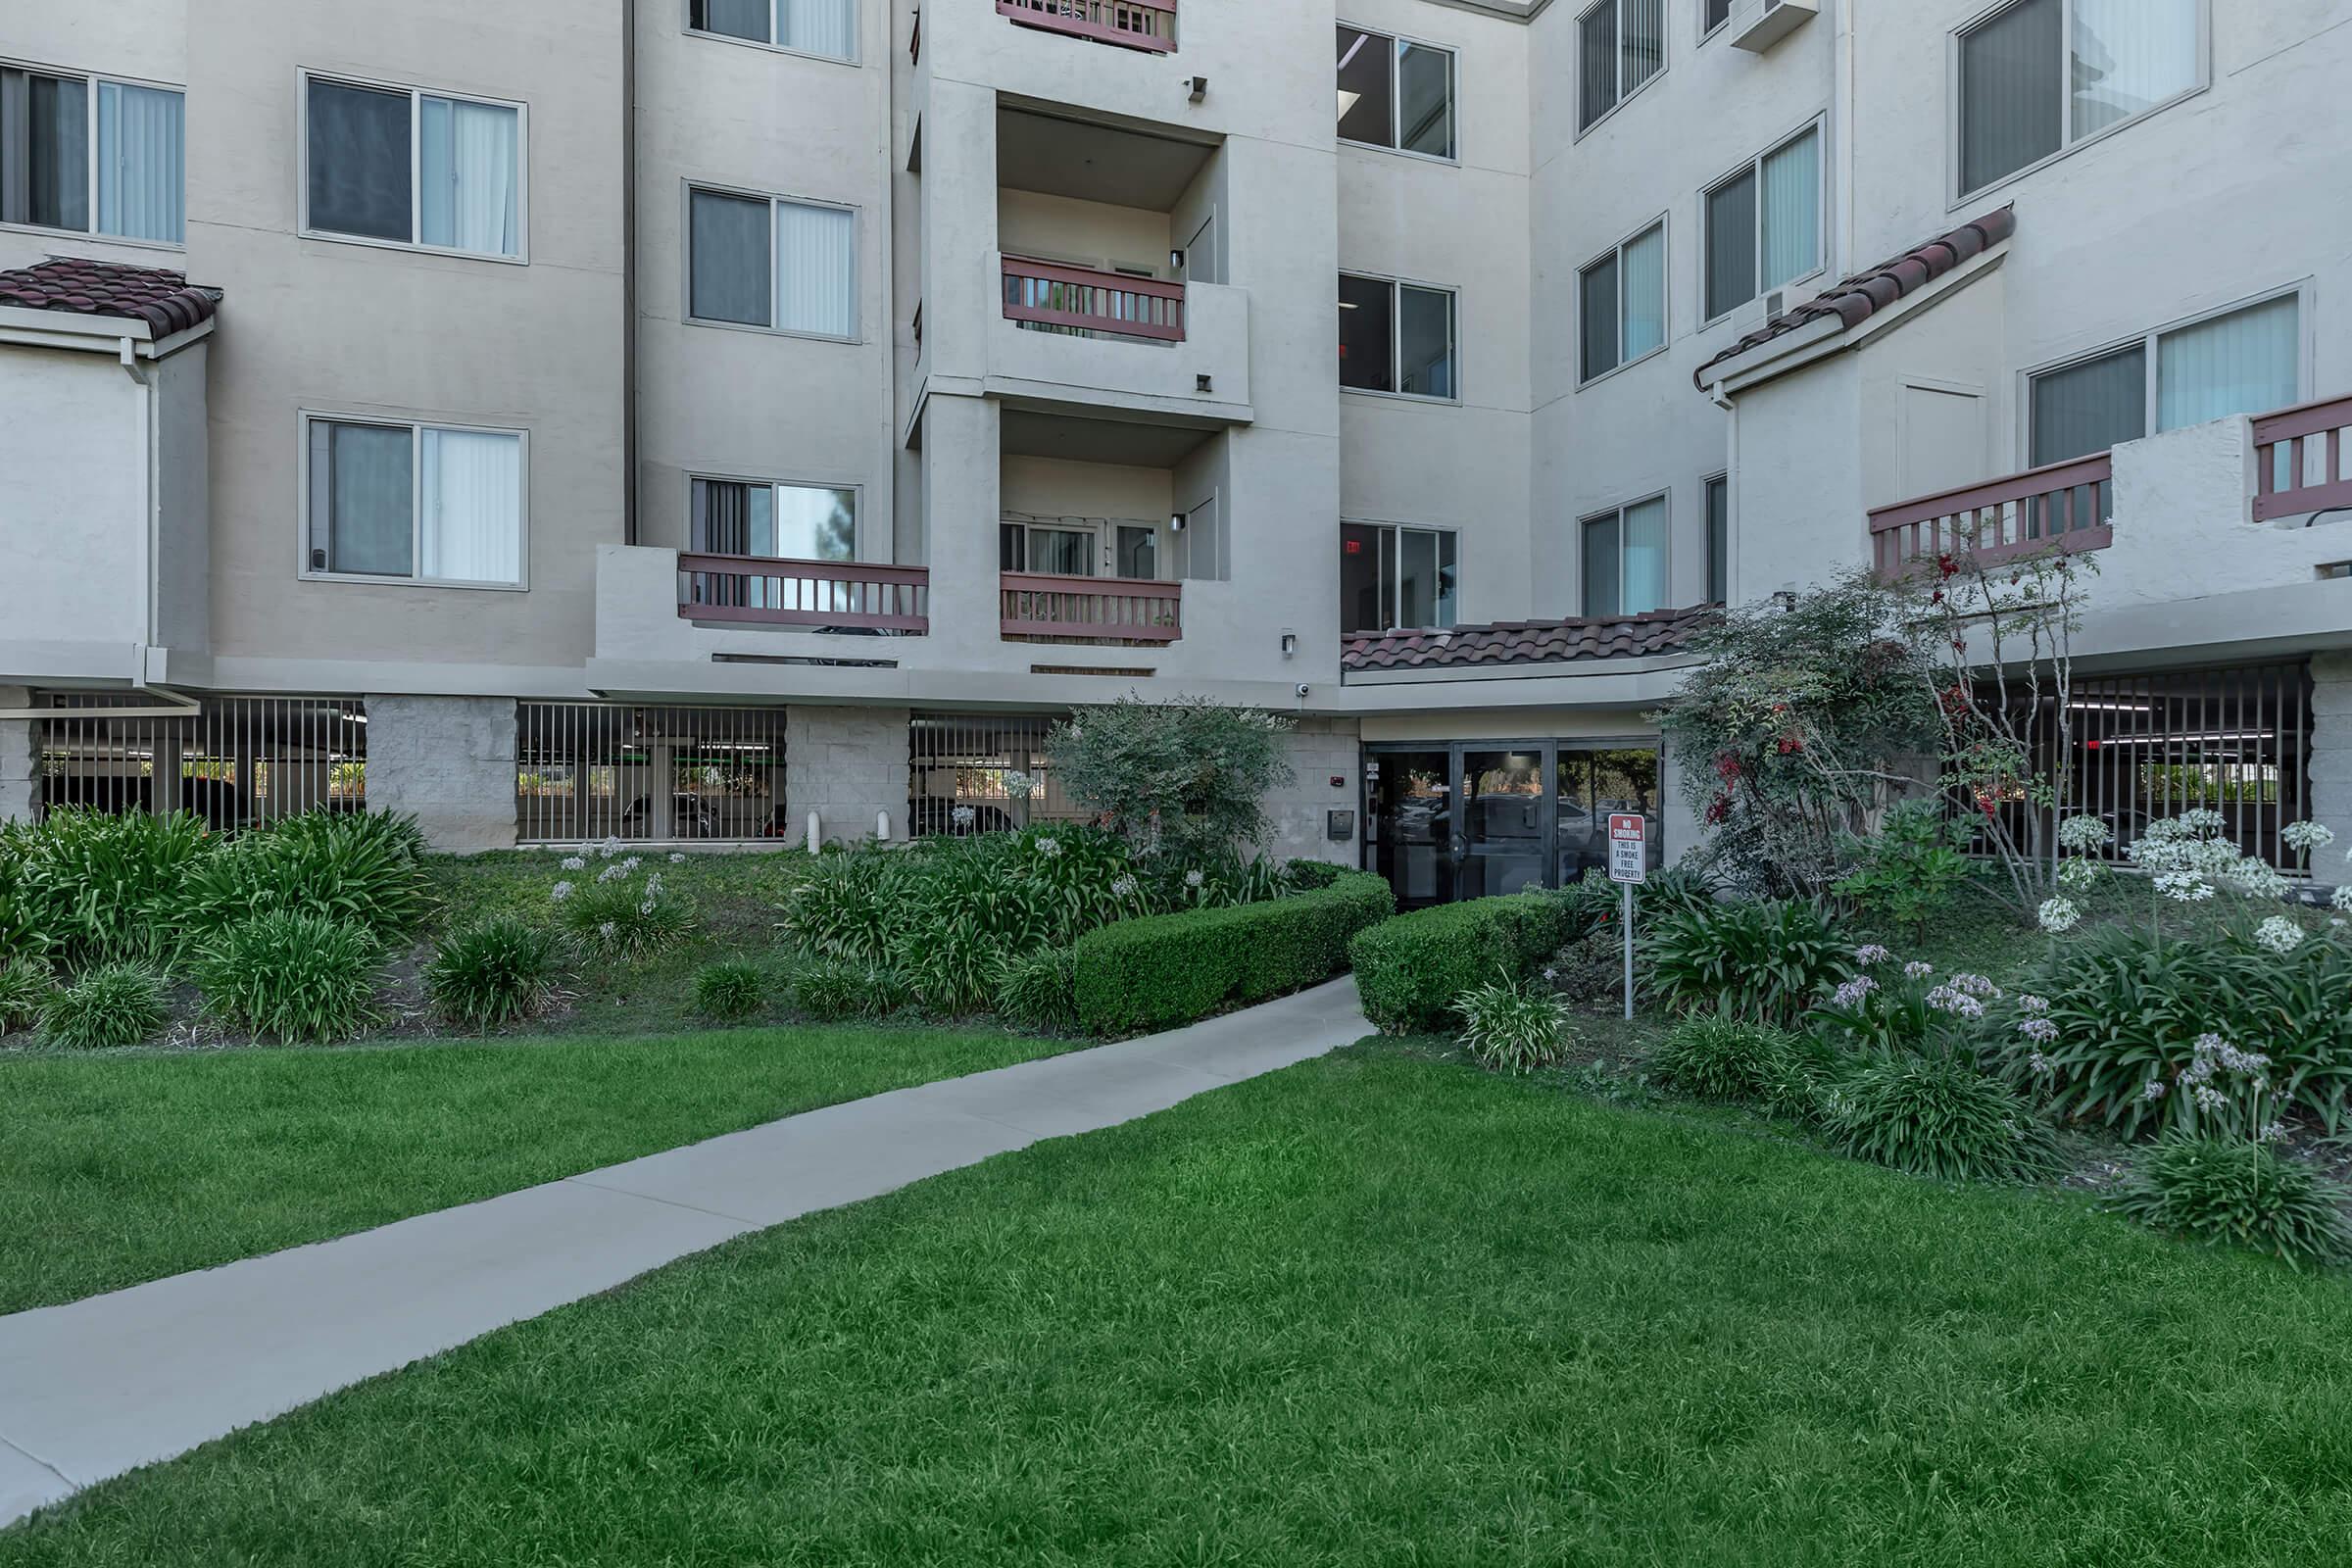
column 450, row 763
column 2331, row 761
column 847, row 765
column 1321, row 750
column 17, row 783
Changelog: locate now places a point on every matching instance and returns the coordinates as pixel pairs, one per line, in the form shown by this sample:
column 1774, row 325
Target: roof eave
column 1826, row 335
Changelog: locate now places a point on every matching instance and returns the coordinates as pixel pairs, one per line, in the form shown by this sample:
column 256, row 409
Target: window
column 1397, row 337
column 1391, row 577
column 2245, row 360
column 827, row 27
column 2042, row 75
column 1713, row 14
column 1764, row 224
column 1060, row 552
column 1621, row 304
column 92, row 156
column 759, row 261
column 420, row 503
column 1395, row 94
column 1719, row 539
column 1201, row 552
column 1623, row 45
column 1625, row 560
column 778, row 521
column 401, row 167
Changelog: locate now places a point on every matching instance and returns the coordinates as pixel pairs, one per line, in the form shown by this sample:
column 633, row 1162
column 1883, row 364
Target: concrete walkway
column 99, row 1387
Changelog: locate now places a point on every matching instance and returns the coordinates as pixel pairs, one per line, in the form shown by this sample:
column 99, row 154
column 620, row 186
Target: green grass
column 129, row 1167
column 1378, row 1309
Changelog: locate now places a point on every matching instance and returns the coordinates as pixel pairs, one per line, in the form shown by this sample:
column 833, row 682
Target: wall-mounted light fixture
column 1289, row 643
column 1176, row 260
column 1201, row 383
column 1176, row 521
column 1195, row 87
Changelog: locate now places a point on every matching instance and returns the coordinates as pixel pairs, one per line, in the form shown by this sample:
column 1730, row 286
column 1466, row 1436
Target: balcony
column 2299, row 460
column 2066, row 505
column 1148, row 25
column 1043, row 608
column 852, row 596
column 1087, row 302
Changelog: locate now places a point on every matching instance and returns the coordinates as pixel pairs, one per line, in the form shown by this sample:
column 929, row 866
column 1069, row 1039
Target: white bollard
column 815, row 842
column 882, row 827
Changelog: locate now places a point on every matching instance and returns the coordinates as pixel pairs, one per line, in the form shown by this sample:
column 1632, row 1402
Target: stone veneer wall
column 450, row 763
column 2331, row 759
column 847, row 765
column 1321, row 750
column 17, row 781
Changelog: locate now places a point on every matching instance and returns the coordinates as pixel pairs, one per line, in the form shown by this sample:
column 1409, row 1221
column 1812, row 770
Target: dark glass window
column 360, row 180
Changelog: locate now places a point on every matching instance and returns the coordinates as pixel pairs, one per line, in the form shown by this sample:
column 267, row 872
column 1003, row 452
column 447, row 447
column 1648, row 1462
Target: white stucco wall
column 74, row 511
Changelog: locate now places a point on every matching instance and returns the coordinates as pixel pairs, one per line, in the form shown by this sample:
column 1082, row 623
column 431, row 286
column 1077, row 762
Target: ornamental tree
column 1187, row 777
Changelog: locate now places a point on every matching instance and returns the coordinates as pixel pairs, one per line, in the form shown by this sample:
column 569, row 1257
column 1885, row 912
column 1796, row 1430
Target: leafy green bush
column 94, row 888
column 117, row 1003
column 1764, row 961
column 1592, row 967
column 1935, row 1115
column 1511, row 1027
column 1187, row 777
column 1306, row 876
column 1169, row 969
column 1411, row 969
column 2125, row 1010
column 494, row 972
column 1040, row 990
column 289, row 977
column 844, row 905
column 1669, row 890
column 25, row 985
column 358, row 869
column 617, row 914
column 729, row 990
column 2217, row 1189
column 1716, row 1056
column 829, row 989
column 1909, row 872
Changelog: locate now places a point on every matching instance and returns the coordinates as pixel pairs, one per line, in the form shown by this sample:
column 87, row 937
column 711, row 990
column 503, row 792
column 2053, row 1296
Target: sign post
column 1629, row 863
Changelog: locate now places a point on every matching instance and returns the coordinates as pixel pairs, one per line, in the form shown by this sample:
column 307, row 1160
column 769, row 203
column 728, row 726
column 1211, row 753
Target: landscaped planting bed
column 1376, row 1309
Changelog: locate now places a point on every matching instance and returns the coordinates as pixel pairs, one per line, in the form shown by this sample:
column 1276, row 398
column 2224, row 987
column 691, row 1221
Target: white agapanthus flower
column 2258, row 879
column 1918, row 969
column 1194, row 878
column 2038, row 1030
column 2079, row 872
column 1850, row 994
column 2308, row 835
column 2085, row 833
column 677, row 857
column 2280, row 934
column 1870, row 953
column 2153, row 1089
column 610, row 873
column 630, row 864
column 2341, row 898
column 610, row 848
column 962, row 816
column 560, row 892
column 605, row 930
column 1020, row 785
column 2040, row 1064
column 1123, row 887
column 2027, row 1001
column 2202, row 820
column 575, row 862
column 2183, row 887
column 2209, row 1098
column 1956, row 1002
column 2058, row 914
column 1051, row 849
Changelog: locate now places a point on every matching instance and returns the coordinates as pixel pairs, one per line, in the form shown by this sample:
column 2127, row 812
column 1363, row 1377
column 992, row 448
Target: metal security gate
column 980, row 760
column 2143, row 746
column 589, row 771
column 235, row 761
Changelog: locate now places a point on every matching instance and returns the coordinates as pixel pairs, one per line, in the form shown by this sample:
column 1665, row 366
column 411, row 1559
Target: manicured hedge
column 1168, row 969
column 1411, row 969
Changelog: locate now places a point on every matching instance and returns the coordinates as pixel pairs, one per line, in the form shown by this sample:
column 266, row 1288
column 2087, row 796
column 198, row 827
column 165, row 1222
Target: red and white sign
column 1629, row 847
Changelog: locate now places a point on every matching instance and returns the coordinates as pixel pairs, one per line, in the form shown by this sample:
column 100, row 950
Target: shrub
column 117, row 1003
column 1670, row 890
column 1411, row 969
column 844, row 904
column 25, row 985
column 1910, row 1011
column 1307, row 876
column 1937, row 1116
column 1908, row 874
column 828, row 989
column 95, row 888
column 494, row 972
column 1716, row 1056
column 358, row 869
column 1510, row 1027
column 1764, row 961
column 1040, row 990
column 729, row 990
column 2217, row 1189
column 1592, row 967
column 1170, row 970
column 1188, row 778
column 2125, row 1010
column 617, row 914
column 289, row 977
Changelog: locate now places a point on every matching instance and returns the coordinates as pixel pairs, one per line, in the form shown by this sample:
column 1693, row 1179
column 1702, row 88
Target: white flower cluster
column 2027, row 1001
column 560, row 892
column 2080, row 873
column 2082, row 834
column 1194, row 877
column 610, row 848
column 2183, row 887
column 962, row 816
column 2342, row 897
column 1870, row 953
column 1020, row 785
column 575, row 862
column 1051, row 849
column 1122, row 887
column 2042, row 1064
column 1951, row 998
column 1918, row 969
column 677, row 857
column 2152, row 1090
column 2280, row 934
column 2058, row 914
column 611, row 873
column 2308, row 835
column 1850, row 994
column 2040, row 1031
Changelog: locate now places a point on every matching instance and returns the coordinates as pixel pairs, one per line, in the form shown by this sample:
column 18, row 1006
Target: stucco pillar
column 960, row 507
column 847, row 765
column 662, row 816
column 20, row 757
column 1322, row 751
column 2331, row 761
column 165, row 786
column 449, row 761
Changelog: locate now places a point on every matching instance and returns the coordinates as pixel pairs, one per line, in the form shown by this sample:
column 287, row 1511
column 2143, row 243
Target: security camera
column 1302, row 688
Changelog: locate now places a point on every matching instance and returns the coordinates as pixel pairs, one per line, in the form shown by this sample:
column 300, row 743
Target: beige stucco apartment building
column 678, row 419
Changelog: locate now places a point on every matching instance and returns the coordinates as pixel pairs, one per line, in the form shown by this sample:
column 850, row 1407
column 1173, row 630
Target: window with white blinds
column 1622, row 45
column 824, row 28
column 763, row 261
column 1625, row 560
column 420, row 503
column 92, row 156
column 2245, row 360
column 1622, row 304
column 1764, row 224
column 2039, row 76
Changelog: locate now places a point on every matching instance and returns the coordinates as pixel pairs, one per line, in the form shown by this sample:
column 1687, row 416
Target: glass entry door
column 1504, row 842
column 1409, row 806
column 1476, row 819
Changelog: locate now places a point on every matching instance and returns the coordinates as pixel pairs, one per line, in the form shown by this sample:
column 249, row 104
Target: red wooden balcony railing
column 2284, row 444
column 1113, row 609
column 1080, row 298
column 841, row 593
column 2066, row 505
column 1130, row 24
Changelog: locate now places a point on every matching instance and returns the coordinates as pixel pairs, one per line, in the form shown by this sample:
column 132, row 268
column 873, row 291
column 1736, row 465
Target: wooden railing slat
column 868, row 595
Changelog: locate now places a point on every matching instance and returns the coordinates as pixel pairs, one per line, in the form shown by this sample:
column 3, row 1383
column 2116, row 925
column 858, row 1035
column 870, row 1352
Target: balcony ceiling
column 1094, row 162
column 1033, row 433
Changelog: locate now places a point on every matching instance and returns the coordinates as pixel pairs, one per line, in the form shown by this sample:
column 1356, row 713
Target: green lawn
column 1377, row 1309
column 123, row 1167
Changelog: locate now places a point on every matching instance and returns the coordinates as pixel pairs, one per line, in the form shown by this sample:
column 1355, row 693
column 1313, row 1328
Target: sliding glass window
column 1397, row 337
column 1621, row 304
column 398, row 166
column 1764, row 224
column 1396, row 93
column 763, row 261
column 92, row 156
column 823, row 28
column 1622, row 45
column 2039, row 76
column 421, row 502
column 1392, row 578
column 2245, row 360
column 1625, row 560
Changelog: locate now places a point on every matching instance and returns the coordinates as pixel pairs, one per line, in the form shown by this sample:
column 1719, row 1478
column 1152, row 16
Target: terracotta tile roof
column 1522, row 642
column 166, row 301
column 1857, row 299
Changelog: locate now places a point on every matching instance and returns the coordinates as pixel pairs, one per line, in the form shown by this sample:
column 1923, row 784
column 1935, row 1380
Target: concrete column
column 847, row 765
column 960, row 489
column 165, row 785
column 19, row 759
column 450, row 763
column 662, row 820
column 2331, row 761
column 1321, row 751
